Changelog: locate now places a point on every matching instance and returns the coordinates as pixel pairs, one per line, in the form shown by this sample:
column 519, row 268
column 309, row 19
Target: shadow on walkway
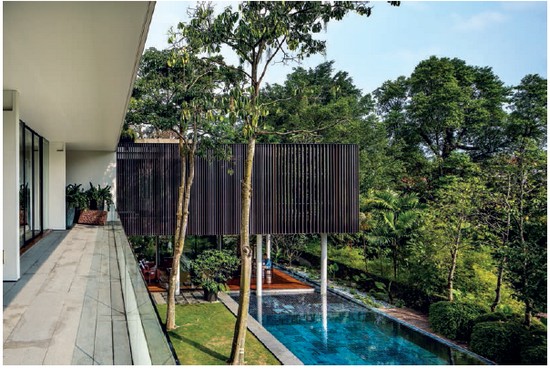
column 31, row 261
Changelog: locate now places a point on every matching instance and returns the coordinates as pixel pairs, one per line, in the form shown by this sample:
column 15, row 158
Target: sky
column 510, row 37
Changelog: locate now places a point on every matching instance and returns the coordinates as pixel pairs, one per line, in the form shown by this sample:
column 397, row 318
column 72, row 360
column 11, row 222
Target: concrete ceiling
column 74, row 64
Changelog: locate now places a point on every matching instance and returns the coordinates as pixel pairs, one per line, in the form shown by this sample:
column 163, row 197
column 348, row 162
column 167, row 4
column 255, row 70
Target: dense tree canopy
column 446, row 105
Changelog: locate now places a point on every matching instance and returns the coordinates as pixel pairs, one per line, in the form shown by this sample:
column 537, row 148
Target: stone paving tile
column 80, row 358
column 68, row 306
column 121, row 344
column 103, row 310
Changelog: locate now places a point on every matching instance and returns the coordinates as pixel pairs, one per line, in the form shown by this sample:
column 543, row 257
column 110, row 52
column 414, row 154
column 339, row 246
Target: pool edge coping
column 280, row 351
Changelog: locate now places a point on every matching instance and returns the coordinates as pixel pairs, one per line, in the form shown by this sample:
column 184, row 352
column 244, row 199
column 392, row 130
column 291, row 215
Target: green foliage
column 493, row 317
column 213, row 268
column 332, row 269
column 393, row 222
column 454, row 319
column 143, row 246
column 97, row 197
column 497, row 341
column 75, row 197
column 93, row 198
column 382, row 291
column 287, row 248
column 446, row 105
column 509, row 342
column 536, row 355
column 529, row 116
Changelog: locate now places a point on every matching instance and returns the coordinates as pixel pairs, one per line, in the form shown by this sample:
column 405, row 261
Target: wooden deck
column 280, row 281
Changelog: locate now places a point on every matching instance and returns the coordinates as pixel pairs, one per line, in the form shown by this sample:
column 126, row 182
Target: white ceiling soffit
column 74, row 64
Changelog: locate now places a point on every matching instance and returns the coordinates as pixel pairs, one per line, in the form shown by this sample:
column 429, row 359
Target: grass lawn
column 205, row 334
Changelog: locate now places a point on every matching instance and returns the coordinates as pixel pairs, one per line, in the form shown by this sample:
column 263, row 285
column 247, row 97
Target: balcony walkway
column 68, row 307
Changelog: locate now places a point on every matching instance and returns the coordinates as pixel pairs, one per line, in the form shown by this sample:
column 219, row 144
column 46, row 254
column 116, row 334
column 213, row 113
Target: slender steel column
column 259, row 255
column 323, row 263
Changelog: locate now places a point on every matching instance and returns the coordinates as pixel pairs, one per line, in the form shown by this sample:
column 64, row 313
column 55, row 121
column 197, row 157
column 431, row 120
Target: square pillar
column 10, row 186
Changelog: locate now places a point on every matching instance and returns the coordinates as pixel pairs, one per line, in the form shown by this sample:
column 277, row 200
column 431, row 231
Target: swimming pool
column 332, row 330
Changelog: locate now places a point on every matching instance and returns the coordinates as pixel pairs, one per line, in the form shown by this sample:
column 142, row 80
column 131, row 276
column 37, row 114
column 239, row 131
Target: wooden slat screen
column 297, row 188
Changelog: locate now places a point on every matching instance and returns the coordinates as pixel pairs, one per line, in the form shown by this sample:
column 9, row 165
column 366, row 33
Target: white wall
column 55, row 199
column 10, row 186
column 98, row 167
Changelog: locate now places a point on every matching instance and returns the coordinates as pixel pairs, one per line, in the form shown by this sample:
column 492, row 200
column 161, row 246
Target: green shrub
column 497, row 341
column 492, row 317
column 454, row 319
column 535, row 355
column 213, row 268
column 510, row 342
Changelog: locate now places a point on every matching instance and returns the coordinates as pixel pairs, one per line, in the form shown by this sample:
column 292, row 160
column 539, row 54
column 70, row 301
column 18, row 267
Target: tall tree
column 527, row 252
column 497, row 214
column 451, row 223
column 156, row 99
column 177, row 92
column 313, row 98
column 446, row 105
column 259, row 32
column 528, row 119
column 528, row 168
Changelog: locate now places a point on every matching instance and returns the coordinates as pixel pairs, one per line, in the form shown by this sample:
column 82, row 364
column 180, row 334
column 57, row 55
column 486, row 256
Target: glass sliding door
column 31, row 188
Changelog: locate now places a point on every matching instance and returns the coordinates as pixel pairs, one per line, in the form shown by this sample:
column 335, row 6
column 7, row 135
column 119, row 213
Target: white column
column 259, row 264
column 268, row 246
column 324, row 312
column 260, row 308
column 323, row 263
column 10, row 186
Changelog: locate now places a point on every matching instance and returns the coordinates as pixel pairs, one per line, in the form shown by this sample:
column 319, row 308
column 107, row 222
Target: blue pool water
column 336, row 331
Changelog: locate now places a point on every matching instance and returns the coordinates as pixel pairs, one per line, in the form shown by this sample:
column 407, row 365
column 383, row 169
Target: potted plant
column 98, row 197
column 95, row 198
column 212, row 269
column 74, row 198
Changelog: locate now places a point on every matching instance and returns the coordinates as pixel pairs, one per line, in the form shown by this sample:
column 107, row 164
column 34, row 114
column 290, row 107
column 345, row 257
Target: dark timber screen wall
column 298, row 188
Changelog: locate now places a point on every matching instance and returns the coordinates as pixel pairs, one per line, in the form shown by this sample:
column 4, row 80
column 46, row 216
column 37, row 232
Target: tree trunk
column 528, row 314
column 505, row 239
column 237, row 347
column 454, row 258
column 524, row 247
column 182, row 218
column 498, row 289
column 451, row 276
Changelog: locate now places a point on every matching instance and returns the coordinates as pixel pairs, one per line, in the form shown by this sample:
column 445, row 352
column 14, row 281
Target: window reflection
column 31, row 169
